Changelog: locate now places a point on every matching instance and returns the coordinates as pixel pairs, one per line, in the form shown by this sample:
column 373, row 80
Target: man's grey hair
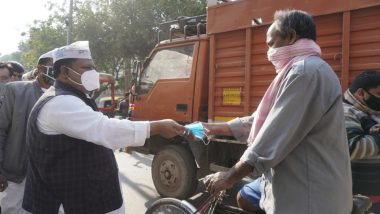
column 300, row 21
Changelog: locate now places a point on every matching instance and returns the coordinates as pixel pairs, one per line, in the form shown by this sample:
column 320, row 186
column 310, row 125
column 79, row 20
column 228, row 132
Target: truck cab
column 174, row 82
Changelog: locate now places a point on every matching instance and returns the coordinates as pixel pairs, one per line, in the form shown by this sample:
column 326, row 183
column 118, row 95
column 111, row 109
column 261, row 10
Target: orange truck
column 215, row 68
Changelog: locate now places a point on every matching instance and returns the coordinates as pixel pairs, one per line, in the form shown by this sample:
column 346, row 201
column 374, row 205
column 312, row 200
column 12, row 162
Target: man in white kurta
column 101, row 130
column 72, row 167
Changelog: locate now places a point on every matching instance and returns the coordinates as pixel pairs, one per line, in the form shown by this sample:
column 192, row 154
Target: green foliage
column 119, row 31
column 43, row 36
column 16, row 56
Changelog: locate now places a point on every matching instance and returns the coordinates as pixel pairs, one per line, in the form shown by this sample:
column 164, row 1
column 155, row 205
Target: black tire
column 174, row 172
column 172, row 206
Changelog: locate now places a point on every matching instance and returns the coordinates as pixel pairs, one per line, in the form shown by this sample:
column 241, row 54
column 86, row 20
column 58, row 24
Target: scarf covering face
column 359, row 105
column 282, row 58
column 375, row 115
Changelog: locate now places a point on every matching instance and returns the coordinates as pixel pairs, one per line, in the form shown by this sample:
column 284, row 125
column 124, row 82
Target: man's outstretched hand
column 167, row 128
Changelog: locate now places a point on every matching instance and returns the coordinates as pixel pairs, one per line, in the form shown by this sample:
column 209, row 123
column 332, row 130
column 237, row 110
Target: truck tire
column 174, row 172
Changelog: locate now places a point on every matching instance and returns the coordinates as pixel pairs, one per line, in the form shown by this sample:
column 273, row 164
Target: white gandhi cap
column 45, row 55
column 76, row 50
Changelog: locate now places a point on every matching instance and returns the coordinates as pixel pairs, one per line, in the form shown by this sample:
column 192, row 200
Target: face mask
column 373, row 102
column 197, row 130
column 48, row 77
column 90, row 79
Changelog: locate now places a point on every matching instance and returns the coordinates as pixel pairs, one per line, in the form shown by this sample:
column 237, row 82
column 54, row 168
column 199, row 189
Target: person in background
column 17, row 70
column 72, row 166
column 362, row 118
column 124, row 106
column 5, row 75
column 298, row 138
column 16, row 103
column 123, row 109
column 29, row 76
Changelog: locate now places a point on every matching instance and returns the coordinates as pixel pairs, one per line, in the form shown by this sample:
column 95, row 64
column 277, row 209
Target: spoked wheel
column 172, row 206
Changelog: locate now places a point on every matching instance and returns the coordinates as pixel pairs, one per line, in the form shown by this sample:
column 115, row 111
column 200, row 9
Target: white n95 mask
column 90, row 79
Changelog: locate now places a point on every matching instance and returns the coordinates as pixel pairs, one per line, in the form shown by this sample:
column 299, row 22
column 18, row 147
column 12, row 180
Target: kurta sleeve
column 7, row 101
column 296, row 110
column 78, row 120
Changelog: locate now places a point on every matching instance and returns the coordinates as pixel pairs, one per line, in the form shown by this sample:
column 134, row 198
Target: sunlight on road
column 137, row 185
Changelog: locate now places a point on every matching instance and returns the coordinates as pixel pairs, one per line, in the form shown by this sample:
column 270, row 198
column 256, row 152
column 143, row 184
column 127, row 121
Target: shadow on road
column 141, row 159
column 145, row 189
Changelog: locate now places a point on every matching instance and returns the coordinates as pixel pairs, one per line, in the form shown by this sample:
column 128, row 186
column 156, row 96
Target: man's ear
column 292, row 36
column 64, row 70
column 39, row 68
column 360, row 94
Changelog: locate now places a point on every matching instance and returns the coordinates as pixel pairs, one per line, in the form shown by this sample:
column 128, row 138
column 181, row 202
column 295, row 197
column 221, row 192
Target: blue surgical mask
column 197, row 130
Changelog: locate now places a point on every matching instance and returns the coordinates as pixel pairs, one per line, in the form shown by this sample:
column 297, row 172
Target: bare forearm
column 106, row 78
column 217, row 129
column 239, row 171
column 225, row 180
column 154, row 127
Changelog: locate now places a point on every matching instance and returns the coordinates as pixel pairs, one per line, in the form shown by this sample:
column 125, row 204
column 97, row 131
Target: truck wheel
column 174, row 172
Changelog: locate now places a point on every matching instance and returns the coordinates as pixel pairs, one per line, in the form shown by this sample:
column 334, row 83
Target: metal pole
column 70, row 23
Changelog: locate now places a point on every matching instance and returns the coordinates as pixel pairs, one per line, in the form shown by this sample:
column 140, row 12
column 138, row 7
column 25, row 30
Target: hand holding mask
column 198, row 131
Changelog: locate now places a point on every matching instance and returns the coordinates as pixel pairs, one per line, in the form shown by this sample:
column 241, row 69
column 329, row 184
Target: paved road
column 135, row 176
column 137, row 185
column 138, row 188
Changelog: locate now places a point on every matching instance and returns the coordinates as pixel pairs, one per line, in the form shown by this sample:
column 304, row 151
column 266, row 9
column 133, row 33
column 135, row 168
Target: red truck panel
column 240, row 72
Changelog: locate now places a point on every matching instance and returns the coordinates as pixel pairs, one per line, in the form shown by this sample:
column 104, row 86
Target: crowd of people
column 56, row 148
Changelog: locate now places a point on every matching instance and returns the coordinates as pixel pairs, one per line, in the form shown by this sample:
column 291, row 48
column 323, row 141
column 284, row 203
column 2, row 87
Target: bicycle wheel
column 172, row 206
column 226, row 209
